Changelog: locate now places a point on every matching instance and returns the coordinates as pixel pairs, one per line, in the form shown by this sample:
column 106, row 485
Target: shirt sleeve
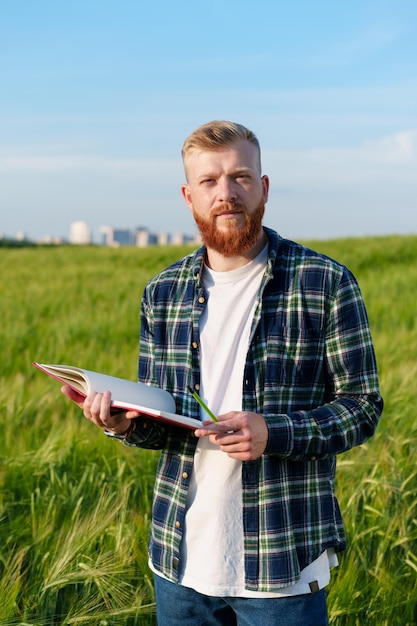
column 147, row 433
column 354, row 405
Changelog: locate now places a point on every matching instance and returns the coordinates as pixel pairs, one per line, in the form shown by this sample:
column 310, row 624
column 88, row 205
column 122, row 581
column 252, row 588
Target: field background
column 75, row 507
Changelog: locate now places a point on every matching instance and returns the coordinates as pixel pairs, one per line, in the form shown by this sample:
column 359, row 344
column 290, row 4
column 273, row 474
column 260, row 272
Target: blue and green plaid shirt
column 310, row 371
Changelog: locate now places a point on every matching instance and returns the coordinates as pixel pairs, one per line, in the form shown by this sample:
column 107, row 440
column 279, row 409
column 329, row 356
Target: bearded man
column 275, row 338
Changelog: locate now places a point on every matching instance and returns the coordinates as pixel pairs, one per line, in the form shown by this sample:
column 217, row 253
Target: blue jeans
column 180, row 606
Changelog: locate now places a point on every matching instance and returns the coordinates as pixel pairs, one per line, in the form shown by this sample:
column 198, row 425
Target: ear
column 186, row 194
column 265, row 185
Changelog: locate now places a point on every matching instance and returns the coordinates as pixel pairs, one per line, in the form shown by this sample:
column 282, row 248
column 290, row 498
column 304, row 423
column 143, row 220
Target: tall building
column 117, row 236
column 80, row 233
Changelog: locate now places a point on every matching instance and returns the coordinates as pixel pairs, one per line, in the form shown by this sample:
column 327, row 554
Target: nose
column 227, row 190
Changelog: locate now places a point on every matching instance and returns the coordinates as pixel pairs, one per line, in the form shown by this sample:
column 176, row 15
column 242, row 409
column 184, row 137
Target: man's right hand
column 97, row 408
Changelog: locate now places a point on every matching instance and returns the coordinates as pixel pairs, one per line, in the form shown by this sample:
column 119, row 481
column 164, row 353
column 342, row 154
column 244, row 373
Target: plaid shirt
column 310, row 371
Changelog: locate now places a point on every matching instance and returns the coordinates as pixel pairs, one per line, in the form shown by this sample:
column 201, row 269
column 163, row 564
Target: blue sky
column 97, row 96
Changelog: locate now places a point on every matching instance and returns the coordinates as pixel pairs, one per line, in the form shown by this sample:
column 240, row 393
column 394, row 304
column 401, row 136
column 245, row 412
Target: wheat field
column 75, row 507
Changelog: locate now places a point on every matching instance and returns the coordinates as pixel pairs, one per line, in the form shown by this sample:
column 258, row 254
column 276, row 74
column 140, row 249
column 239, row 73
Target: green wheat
column 75, row 508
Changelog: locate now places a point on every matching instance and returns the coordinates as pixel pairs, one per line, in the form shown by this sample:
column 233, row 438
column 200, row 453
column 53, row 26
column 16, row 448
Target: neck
column 219, row 263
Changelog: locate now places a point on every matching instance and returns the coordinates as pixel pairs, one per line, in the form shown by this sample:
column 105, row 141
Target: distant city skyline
column 98, row 97
column 81, row 233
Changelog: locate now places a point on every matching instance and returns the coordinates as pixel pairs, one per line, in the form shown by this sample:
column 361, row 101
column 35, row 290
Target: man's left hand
column 242, row 435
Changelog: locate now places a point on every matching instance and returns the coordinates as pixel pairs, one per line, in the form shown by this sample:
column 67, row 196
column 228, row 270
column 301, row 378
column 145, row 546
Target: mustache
column 228, row 207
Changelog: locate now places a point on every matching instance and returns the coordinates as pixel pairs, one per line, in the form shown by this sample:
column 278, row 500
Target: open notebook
column 126, row 394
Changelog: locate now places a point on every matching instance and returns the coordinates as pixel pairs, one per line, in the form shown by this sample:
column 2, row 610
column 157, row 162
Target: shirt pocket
column 295, row 356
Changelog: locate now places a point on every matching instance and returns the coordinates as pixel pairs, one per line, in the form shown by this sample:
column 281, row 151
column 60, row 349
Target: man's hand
column 97, row 409
column 241, row 435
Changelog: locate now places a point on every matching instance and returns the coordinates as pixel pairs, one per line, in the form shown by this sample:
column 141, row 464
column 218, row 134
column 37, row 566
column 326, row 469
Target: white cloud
column 392, row 157
column 59, row 163
column 396, row 149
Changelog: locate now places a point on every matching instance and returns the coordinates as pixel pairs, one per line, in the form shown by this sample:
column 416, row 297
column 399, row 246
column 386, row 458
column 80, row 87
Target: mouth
column 228, row 213
column 229, row 210
column 229, row 218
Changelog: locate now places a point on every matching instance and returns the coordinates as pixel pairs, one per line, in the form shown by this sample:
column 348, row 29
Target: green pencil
column 203, row 404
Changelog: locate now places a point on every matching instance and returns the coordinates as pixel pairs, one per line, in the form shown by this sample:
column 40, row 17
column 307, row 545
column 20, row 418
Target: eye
column 242, row 177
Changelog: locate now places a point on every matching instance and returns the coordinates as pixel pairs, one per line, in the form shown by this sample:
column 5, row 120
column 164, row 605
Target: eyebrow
column 237, row 171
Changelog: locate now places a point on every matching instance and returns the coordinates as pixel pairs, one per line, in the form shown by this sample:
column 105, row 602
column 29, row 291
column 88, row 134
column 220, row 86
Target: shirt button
column 185, row 474
column 201, row 299
column 178, row 524
column 313, row 458
column 194, row 344
column 197, row 386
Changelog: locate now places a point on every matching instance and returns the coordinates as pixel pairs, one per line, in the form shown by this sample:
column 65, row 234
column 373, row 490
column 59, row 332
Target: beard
column 236, row 241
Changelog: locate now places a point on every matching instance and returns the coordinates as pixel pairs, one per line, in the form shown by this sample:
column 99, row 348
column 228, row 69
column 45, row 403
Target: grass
column 75, row 507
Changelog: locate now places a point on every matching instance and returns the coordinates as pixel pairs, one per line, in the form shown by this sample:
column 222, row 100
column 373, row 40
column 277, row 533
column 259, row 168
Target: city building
column 117, row 236
column 80, row 233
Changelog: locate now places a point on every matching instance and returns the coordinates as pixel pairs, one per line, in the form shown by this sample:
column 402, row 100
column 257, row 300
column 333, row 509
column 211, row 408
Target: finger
column 205, row 428
column 219, row 428
column 230, row 438
column 73, row 395
column 229, row 422
column 132, row 414
column 101, row 409
column 88, row 404
column 117, row 420
column 105, row 405
column 97, row 407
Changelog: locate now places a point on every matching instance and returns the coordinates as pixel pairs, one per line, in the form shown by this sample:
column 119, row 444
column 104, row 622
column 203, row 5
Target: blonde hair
column 217, row 134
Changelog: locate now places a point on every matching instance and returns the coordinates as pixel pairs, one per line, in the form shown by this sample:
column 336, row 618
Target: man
column 275, row 338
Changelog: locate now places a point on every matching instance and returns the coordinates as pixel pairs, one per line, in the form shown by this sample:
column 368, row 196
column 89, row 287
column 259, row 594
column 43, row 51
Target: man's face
column 226, row 194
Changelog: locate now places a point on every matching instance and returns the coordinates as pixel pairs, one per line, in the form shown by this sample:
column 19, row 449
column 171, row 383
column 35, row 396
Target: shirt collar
column 274, row 243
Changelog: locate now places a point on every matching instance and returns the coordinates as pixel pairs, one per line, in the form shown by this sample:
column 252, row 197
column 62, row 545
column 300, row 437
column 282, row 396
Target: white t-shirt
column 212, row 555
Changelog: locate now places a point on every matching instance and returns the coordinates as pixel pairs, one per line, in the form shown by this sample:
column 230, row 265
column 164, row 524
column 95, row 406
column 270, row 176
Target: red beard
column 236, row 241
